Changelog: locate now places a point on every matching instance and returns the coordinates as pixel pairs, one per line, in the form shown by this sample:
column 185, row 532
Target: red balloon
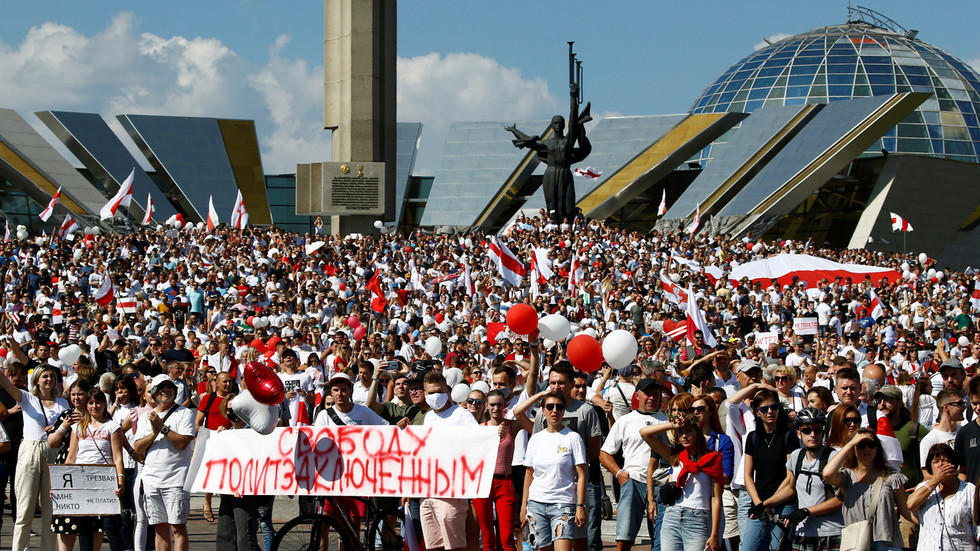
column 250, row 321
column 440, row 318
column 270, row 345
column 585, row 352
column 359, row 332
column 343, row 286
column 258, row 345
column 266, row 387
column 522, row 319
column 353, row 322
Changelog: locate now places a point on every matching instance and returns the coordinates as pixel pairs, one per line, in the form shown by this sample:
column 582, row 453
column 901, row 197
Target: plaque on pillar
column 350, row 188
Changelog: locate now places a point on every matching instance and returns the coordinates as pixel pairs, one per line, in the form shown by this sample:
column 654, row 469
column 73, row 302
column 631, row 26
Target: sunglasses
column 768, row 409
column 811, row 430
column 699, row 409
column 852, row 420
column 782, row 379
column 475, row 401
column 554, row 407
column 865, row 445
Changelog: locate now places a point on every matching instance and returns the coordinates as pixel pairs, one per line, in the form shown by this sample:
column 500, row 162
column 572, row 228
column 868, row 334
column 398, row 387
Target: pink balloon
column 359, row 332
column 353, row 322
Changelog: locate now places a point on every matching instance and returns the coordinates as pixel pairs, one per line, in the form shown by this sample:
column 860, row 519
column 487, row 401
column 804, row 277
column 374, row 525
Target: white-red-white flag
column 57, row 316
column 663, row 204
column 576, row 275
column 890, row 443
column 67, row 227
column 468, row 285
column 127, row 305
column 899, row 223
column 212, row 214
column 148, row 217
column 974, row 298
column 46, row 213
column 693, row 228
column 6, row 232
column 239, row 214
column 509, row 267
column 696, row 321
column 588, row 172
column 877, row 308
column 122, row 198
column 105, row 293
column 672, row 291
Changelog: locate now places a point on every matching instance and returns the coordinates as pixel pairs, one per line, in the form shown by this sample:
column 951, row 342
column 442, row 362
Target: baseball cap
column 160, row 380
column 951, row 363
column 746, row 365
column 341, row 378
column 647, row 384
column 889, row 391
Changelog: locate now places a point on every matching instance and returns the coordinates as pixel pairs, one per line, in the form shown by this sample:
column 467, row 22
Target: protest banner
column 805, row 326
column 83, row 490
column 418, row 462
column 763, row 340
column 127, row 305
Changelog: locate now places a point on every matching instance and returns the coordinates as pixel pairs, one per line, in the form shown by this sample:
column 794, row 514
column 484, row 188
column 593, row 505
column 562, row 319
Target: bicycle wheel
column 311, row 533
column 385, row 533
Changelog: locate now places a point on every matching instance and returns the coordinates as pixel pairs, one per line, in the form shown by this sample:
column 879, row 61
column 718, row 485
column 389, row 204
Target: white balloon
column 70, row 354
column 907, row 274
column 619, row 349
column 265, row 321
column 200, row 225
column 96, row 230
column 460, row 392
column 940, row 275
column 189, row 225
column 22, row 235
column 549, row 344
column 591, row 332
column 21, row 227
column 757, row 248
column 923, row 258
column 482, row 386
column 433, row 346
column 444, row 326
column 675, row 277
column 77, row 254
column 379, row 224
column 905, row 266
column 963, row 341
column 931, row 273
column 554, row 327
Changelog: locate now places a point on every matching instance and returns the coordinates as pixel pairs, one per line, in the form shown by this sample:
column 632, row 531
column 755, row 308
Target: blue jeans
column 632, row 511
column 685, row 529
column 658, row 522
column 592, row 531
column 551, row 521
column 755, row 534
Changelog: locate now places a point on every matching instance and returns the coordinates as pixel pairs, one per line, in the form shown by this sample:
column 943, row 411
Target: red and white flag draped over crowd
column 672, row 291
column 122, row 198
column 67, row 227
column 693, row 228
column 105, row 294
column 148, row 217
column 509, row 267
column 239, row 214
column 899, row 223
column 46, row 213
column 212, row 214
column 877, row 308
column 696, row 321
column 663, row 204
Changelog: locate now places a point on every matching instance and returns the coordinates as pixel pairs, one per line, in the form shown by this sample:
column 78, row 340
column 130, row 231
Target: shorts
column 444, row 522
column 551, row 522
column 631, row 510
column 167, row 505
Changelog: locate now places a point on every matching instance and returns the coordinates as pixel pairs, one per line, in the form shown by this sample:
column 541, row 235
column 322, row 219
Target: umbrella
column 785, row 268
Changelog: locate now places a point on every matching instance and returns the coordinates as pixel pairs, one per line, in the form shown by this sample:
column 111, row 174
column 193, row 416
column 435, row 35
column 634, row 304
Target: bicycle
column 325, row 532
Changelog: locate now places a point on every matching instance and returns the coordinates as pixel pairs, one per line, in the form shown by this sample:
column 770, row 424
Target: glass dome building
column 859, row 59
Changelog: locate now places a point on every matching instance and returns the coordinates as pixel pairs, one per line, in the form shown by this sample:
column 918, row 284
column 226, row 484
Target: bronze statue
column 559, row 151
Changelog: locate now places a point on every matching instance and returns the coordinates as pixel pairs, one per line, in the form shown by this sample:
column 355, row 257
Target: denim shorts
column 551, row 522
column 631, row 510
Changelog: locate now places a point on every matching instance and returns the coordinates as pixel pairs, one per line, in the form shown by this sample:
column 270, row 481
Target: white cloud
column 121, row 70
column 771, row 39
column 974, row 63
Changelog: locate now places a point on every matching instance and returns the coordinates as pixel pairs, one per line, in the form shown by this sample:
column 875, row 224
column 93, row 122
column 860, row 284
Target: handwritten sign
column 805, row 326
column 449, row 462
column 763, row 340
column 83, row 490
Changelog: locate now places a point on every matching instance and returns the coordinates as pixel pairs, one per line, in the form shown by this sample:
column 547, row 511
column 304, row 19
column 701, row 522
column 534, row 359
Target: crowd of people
column 733, row 445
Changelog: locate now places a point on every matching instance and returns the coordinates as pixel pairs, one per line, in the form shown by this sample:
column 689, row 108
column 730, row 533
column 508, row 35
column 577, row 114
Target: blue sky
column 458, row 60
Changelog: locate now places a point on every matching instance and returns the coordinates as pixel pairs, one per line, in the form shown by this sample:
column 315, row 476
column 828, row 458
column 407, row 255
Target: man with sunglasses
column 951, row 405
column 818, row 518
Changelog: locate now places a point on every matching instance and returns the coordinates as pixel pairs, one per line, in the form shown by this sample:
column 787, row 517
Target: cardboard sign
column 805, row 326
column 84, row 490
column 441, row 461
column 763, row 340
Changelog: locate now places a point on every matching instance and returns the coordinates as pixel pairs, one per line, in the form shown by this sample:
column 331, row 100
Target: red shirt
column 214, row 417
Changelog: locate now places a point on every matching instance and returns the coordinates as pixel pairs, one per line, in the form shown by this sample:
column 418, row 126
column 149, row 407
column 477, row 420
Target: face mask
column 437, row 400
column 506, row 391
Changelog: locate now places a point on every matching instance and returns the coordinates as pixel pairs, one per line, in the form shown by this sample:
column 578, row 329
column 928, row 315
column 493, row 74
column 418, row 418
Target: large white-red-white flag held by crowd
column 899, row 223
column 672, row 291
column 122, row 198
column 212, row 214
column 509, row 267
column 46, row 213
column 239, row 214
column 67, row 227
column 696, row 321
column 105, row 293
column 148, row 217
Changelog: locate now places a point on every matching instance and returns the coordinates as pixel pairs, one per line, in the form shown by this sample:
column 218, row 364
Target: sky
column 457, row 60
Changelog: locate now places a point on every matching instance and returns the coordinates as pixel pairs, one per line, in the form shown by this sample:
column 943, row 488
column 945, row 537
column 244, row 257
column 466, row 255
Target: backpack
column 828, row 490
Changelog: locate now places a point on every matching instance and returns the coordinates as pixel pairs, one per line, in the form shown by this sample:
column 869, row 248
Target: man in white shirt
column 299, row 388
column 951, row 405
column 344, row 411
column 163, row 438
column 365, row 373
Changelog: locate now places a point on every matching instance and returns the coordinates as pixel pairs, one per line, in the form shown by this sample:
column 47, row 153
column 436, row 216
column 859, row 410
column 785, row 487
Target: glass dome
column 856, row 60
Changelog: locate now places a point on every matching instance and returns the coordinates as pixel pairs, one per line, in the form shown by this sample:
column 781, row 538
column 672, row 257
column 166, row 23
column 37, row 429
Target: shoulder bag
column 858, row 536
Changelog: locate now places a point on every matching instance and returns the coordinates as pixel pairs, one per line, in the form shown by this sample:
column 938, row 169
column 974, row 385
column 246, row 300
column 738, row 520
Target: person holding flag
column 239, row 214
column 510, row 268
column 212, row 221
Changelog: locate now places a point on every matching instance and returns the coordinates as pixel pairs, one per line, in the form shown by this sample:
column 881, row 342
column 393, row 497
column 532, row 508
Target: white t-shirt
column 454, row 415
column 297, row 382
column 697, row 490
column 359, row 415
column 934, row 437
column 553, row 456
column 622, row 403
column 95, row 447
column 360, row 393
column 36, row 416
column 166, row 465
column 624, row 435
